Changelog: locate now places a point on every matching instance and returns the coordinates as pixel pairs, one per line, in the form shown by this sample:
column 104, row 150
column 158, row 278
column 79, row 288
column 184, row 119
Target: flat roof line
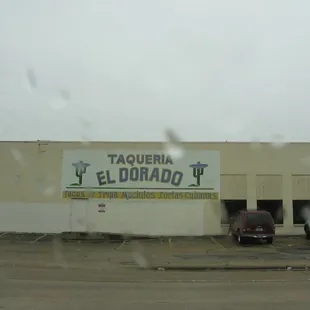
column 183, row 142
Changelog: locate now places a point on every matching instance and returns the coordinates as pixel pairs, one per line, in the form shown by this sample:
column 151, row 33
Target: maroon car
column 252, row 225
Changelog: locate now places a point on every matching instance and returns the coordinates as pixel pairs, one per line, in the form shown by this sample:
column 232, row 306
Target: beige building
column 251, row 176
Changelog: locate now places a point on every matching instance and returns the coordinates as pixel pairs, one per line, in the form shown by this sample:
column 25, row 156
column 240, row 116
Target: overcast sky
column 127, row 70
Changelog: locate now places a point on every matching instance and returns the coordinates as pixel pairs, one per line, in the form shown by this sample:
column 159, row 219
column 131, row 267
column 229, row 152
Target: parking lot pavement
column 208, row 252
column 229, row 245
column 217, row 252
column 281, row 244
column 292, row 244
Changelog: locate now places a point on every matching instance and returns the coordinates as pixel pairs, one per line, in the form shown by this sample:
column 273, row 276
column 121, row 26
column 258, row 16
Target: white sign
column 145, row 174
column 101, row 207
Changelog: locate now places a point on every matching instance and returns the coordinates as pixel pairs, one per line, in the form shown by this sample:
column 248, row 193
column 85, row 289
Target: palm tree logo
column 80, row 169
column 198, row 170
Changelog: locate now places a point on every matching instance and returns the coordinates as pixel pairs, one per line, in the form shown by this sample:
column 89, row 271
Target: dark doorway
column 301, row 211
column 230, row 208
column 274, row 207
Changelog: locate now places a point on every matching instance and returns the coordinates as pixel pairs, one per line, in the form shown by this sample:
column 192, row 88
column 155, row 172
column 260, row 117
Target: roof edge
column 134, row 141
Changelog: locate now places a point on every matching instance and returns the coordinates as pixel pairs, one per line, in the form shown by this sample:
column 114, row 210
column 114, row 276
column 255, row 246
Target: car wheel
column 269, row 240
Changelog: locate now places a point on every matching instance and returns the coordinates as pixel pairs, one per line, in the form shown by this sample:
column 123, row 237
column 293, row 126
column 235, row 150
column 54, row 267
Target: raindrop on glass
column 80, row 221
column 49, row 191
column 60, row 101
column 40, row 183
column 58, row 252
column 32, row 80
column 3, row 276
column 173, row 146
column 224, row 213
column 86, row 124
column 305, row 213
column 85, row 141
column 256, row 145
column 17, row 180
column 280, row 214
column 90, row 227
column 215, row 208
column 138, row 255
column 18, row 156
column 305, row 160
column 139, row 260
column 278, row 141
column 64, row 94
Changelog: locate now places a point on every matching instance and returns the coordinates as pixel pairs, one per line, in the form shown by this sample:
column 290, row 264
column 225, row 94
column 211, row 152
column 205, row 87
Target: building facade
column 135, row 188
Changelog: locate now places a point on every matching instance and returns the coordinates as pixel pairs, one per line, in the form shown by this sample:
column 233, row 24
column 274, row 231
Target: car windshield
column 259, row 218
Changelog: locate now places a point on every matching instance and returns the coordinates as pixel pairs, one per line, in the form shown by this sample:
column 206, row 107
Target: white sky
column 210, row 70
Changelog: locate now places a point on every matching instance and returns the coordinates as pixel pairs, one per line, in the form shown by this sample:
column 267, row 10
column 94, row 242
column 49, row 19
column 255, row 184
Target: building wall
column 31, row 186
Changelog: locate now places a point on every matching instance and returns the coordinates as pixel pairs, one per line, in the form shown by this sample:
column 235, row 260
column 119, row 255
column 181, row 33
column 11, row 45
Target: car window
column 257, row 218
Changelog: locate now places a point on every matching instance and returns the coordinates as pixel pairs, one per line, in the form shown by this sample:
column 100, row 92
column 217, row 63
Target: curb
column 111, row 237
column 231, row 268
column 160, row 268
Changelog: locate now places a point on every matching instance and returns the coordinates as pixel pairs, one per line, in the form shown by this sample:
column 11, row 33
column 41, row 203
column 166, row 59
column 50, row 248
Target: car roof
column 255, row 211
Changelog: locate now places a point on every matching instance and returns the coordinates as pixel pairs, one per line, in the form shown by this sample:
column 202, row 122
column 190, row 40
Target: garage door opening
column 301, row 211
column 274, row 207
column 230, row 208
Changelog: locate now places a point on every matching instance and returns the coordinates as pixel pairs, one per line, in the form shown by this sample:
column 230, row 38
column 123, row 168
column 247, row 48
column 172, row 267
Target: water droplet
column 90, row 227
column 280, row 214
column 224, row 214
column 138, row 256
column 278, row 141
column 17, row 180
column 305, row 212
column 86, row 124
column 174, row 152
column 256, row 145
column 61, row 101
column 139, row 260
column 49, row 191
column 305, row 161
column 58, row 252
column 65, row 94
column 32, row 80
column 215, row 208
column 173, row 146
column 58, row 103
column 18, row 156
column 80, row 221
column 40, row 183
column 3, row 276
column 85, row 141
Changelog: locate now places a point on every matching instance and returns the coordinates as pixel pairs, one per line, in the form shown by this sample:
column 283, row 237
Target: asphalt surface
column 221, row 291
column 207, row 253
column 57, row 275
